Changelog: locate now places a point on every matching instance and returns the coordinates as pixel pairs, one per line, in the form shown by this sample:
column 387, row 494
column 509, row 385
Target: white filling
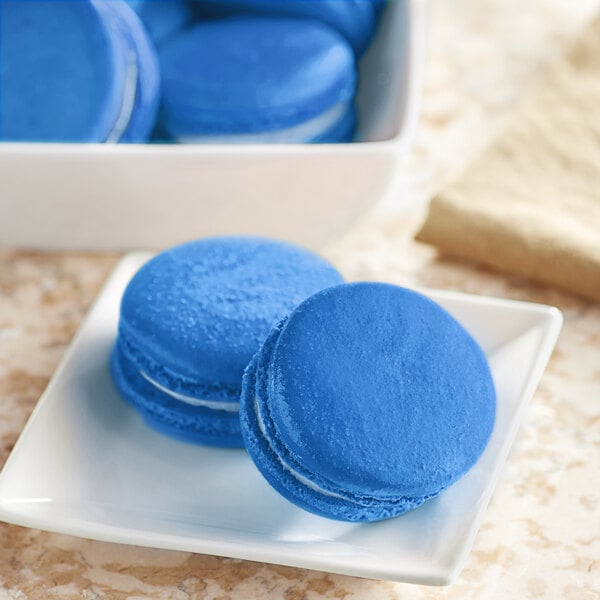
column 301, row 478
column 127, row 105
column 291, row 135
column 231, row 407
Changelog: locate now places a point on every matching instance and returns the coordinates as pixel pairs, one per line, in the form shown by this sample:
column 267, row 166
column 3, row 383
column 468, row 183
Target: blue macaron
column 192, row 318
column 63, row 77
column 141, row 102
column 163, row 18
column 356, row 20
column 79, row 71
column 368, row 400
column 342, row 131
column 257, row 79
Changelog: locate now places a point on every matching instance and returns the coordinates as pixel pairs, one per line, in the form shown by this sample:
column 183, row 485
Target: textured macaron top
column 63, row 75
column 377, row 391
column 251, row 74
column 193, row 316
column 355, row 19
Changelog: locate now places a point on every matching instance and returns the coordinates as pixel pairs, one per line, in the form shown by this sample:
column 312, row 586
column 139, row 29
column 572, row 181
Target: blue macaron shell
column 144, row 74
column 341, row 132
column 163, row 18
column 418, row 388
column 193, row 316
column 253, row 74
column 374, row 394
column 63, row 71
column 168, row 416
column 356, row 20
column 269, row 455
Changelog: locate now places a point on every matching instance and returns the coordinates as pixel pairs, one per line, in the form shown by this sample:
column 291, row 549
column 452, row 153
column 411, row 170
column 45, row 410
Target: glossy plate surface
column 86, row 465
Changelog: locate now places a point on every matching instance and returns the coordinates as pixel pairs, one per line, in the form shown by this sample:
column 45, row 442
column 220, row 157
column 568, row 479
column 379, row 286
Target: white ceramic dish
column 105, row 196
column 86, row 465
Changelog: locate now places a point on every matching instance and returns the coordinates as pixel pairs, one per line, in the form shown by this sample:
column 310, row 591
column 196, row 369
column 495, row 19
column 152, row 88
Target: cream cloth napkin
column 531, row 203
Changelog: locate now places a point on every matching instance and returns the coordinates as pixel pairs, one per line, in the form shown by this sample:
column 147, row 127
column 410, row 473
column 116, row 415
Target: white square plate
column 86, row 465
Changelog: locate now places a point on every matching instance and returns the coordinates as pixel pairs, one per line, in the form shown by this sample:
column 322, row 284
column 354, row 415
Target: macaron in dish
column 144, row 99
column 356, row 20
column 79, row 71
column 365, row 402
column 163, row 18
column 343, row 130
column 258, row 80
column 192, row 318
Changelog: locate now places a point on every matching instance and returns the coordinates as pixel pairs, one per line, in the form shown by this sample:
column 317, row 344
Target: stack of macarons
column 355, row 401
column 222, row 71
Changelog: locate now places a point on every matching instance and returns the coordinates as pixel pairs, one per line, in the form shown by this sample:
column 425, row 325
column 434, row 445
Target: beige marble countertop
column 541, row 534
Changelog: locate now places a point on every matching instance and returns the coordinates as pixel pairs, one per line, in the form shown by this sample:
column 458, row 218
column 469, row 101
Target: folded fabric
column 530, row 205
